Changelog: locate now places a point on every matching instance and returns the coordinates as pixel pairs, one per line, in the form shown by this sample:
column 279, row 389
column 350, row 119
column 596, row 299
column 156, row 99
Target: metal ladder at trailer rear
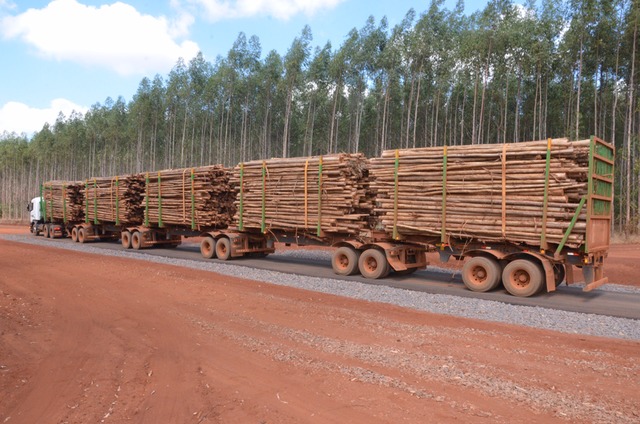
column 599, row 204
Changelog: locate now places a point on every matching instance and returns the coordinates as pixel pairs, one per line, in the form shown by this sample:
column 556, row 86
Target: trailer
column 521, row 215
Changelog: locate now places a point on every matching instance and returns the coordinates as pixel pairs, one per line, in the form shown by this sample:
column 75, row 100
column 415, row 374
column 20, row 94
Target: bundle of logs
column 115, row 199
column 63, row 201
column 198, row 197
column 316, row 195
column 491, row 192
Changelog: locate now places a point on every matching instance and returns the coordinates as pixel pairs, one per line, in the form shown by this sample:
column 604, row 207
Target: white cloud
column 114, row 36
column 20, row 118
column 280, row 9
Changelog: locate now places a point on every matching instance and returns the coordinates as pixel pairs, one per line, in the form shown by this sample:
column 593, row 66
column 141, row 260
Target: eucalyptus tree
column 294, row 61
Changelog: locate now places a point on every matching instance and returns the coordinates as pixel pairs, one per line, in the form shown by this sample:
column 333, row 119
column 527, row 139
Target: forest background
column 507, row 73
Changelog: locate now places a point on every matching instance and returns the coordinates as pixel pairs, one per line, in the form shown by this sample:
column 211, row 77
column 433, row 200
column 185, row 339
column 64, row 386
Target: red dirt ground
column 89, row 338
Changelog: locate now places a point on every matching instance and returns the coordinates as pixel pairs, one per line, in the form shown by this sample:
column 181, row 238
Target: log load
column 314, row 196
column 63, row 201
column 492, row 192
column 116, row 200
column 194, row 197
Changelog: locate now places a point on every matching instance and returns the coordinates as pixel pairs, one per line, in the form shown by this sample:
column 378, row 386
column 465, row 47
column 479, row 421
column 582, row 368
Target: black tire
column 345, row 261
column 407, row 271
column 559, row 272
column 136, row 240
column 82, row 235
column 208, row 247
column 125, row 239
column 74, row 234
column 481, row 274
column 373, row 264
column 523, row 278
column 223, row 249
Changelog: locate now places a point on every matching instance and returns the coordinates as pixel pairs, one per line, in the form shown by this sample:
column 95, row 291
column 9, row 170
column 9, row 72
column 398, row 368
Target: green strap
column 443, row 231
column 64, row 204
column 592, row 170
column 42, row 210
column 319, row 229
column 160, row 201
column 241, row 212
column 543, row 236
column 193, row 200
column 571, row 225
column 263, row 226
column 395, row 196
column 146, row 205
column 95, row 202
column 117, row 201
column 86, row 201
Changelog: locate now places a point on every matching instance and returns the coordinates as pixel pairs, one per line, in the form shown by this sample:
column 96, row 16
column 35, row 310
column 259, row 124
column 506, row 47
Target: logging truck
column 521, row 215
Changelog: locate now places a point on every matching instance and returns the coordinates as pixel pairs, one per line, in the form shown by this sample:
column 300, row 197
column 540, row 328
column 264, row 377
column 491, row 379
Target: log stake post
column 395, row 196
column 95, row 201
column 86, row 201
column 319, row 232
column 241, row 206
column 193, row 200
column 263, row 225
column 146, row 203
column 306, row 194
column 504, row 190
column 160, row 224
column 64, row 203
column 117, row 201
column 43, row 211
column 543, row 236
column 443, row 232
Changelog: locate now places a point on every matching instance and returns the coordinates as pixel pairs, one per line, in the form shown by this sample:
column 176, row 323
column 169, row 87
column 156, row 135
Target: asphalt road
column 600, row 302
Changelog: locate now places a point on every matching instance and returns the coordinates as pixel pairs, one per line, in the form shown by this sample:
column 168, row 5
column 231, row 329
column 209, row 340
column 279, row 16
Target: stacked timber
column 115, row 200
column 190, row 197
column 316, row 195
column 63, row 201
column 490, row 192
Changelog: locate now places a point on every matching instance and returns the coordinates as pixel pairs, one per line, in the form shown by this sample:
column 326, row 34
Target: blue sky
column 64, row 55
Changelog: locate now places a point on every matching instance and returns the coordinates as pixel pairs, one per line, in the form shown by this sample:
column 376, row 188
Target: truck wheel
column 223, row 249
column 82, row 236
column 559, row 272
column 481, row 274
column 373, row 264
column 345, row 261
column 125, row 239
column 74, row 234
column 523, row 278
column 136, row 240
column 208, row 247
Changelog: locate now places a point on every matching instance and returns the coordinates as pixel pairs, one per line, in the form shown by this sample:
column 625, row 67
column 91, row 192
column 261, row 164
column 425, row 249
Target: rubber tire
column 345, row 261
column 407, row 271
column 136, row 240
column 82, row 237
column 125, row 239
column 373, row 264
column 559, row 272
column 481, row 274
column 523, row 278
column 74, row 234
column 223, row 249
column 208, row 247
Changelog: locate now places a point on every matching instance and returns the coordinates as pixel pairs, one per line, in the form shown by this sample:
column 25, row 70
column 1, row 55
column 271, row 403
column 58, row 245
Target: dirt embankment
column 87, row 338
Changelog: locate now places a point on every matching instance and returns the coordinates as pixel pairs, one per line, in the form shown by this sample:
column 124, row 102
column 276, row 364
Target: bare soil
column 89, row 338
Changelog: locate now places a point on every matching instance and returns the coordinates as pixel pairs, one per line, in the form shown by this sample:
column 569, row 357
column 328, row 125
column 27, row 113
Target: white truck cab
column 35, row 214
